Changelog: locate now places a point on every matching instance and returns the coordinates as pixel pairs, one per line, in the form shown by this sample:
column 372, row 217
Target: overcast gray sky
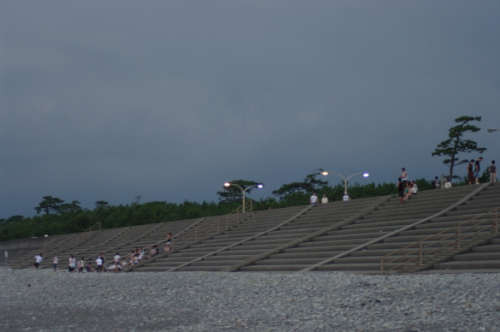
column 106, row 100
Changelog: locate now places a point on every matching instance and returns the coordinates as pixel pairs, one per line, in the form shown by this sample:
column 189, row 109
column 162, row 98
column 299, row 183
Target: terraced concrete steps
column 370, row 258
column 275, row 240
column 314, row 220
column 483, row 257
column 91, row 244
column 262, row 221
column 391, row 217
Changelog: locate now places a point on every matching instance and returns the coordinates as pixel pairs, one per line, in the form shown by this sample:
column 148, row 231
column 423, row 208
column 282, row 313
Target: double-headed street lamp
column 243, row 191
column 346, row 180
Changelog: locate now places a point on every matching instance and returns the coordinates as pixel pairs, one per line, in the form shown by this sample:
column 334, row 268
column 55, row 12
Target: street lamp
column 346, row 180
column 492, row 130
column 45, row 237
column 243, row 191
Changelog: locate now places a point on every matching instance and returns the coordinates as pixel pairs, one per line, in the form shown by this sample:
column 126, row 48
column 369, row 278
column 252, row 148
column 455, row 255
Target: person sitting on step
column 81, row 264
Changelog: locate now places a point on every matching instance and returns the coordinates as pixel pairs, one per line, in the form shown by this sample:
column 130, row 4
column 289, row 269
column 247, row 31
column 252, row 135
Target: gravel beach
column 198, row 301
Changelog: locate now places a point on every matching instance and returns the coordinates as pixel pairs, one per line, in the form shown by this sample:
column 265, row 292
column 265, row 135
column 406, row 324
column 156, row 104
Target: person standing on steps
column 477, row 169
column 493, row 172
column 436, row 184
column 401, row 190
column 313, row 199
column 470, row 171
column 404, row 175
column 324, row 199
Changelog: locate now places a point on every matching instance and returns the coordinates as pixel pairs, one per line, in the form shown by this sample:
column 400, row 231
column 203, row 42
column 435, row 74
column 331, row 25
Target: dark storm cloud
column 110, row 99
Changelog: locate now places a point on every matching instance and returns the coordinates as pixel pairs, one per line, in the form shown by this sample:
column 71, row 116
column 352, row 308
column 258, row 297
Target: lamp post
column 44, row 246
column 243, row 191
column 346, row 180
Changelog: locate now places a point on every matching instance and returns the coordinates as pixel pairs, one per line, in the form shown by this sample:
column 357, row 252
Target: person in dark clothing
column 477, row 169
column 436, row 184
column 493, row 172
column 470, row 172
column 401, row 189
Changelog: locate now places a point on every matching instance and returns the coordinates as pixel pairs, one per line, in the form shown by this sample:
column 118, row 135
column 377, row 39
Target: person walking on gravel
column 55, row 261
column 38, row 261
column 71, row 263
column 100, row 263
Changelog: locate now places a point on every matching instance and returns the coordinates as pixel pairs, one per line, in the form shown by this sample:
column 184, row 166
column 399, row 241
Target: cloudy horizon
column 107, row 100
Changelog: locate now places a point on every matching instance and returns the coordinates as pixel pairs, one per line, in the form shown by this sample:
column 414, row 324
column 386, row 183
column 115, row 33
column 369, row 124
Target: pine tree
column 456, row 143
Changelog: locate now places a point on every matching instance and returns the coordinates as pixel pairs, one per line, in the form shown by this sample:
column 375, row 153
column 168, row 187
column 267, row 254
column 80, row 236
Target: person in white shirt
column 71, row 263
column 38, row 260
column 99, row 262
column 346, row 198
column 414, row 188
column 313, row 199
column 116, row 266
column 81, row 264
column 55, row 261
column 404, row 175
column 324, row 199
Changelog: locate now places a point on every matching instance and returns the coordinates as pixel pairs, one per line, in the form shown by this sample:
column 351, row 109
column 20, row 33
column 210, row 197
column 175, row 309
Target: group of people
column 81, row 265
column 406, row 188
column 118, row 264
column 315, row 201
column 474, row 169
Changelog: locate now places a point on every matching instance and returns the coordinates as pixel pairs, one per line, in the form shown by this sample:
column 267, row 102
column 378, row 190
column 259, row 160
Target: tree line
column 56, row 216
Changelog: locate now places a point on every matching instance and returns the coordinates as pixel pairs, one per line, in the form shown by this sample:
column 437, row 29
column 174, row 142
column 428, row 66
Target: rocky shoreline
column 206, row 301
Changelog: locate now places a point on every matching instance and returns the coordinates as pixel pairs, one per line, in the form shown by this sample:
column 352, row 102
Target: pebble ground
column 204, row 301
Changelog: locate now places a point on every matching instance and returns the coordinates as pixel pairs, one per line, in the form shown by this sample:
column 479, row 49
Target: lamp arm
column 353, row 175
column 340, row 175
